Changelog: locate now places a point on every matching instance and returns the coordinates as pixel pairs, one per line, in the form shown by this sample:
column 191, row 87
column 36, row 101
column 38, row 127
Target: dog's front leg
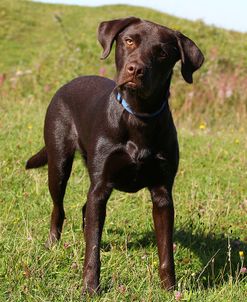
column 94, row 222
column 163, row 216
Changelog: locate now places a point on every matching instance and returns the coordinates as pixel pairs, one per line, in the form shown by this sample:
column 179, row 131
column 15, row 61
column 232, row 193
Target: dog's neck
column 147, row 106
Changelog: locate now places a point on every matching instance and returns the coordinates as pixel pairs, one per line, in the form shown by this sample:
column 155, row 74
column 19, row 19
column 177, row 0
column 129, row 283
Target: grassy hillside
column 43, row 46
column 56, row 43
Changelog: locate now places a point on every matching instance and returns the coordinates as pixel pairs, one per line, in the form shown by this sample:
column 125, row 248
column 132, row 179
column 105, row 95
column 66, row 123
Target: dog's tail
column 38, row 160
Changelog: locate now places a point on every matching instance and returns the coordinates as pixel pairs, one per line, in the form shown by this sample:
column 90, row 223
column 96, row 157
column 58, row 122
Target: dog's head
column 147, row 52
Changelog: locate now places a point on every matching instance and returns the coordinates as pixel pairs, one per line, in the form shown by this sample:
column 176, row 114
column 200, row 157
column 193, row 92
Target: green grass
column 42, row 47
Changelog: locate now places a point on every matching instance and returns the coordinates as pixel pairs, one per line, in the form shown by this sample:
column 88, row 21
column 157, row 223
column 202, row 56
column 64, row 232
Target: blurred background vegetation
column 43, row 46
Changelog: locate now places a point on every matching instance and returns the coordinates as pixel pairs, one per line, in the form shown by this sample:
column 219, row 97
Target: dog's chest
column 138, row 154
column 135, row 166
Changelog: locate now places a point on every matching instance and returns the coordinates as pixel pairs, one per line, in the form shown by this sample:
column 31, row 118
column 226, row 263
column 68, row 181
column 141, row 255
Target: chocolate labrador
column 124, row 131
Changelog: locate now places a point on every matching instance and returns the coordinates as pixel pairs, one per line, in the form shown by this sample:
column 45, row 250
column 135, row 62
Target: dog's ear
column 108, row 31
column 191, row 56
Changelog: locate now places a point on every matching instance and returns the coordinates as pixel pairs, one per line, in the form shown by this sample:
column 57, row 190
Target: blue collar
column 127, row 107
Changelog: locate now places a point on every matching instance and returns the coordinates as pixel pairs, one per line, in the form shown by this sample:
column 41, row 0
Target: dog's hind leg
column 60, row 143
column 59, row 169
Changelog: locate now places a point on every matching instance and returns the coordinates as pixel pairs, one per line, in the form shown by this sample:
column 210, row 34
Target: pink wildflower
column 66, row 245
column 243, row 270
column 102, row 71
column 178, row 296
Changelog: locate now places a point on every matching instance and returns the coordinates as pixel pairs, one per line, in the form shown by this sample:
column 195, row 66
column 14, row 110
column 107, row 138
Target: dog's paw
column 90, row 290
column 168, row 283
column 51, row 241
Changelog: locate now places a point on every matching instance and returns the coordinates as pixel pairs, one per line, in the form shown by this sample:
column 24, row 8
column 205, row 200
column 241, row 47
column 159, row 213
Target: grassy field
column 43, row 46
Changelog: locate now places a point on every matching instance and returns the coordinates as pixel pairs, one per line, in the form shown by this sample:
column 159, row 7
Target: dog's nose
column 134, row 69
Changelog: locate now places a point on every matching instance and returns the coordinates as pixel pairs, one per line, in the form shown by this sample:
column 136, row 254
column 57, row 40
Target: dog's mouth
column 132, row 84
column 133, row 87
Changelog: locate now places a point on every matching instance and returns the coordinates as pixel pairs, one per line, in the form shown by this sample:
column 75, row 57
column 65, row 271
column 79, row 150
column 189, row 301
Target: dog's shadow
column 212, row 250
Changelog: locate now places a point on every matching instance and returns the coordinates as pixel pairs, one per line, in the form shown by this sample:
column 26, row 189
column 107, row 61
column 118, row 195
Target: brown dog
column 124, row 131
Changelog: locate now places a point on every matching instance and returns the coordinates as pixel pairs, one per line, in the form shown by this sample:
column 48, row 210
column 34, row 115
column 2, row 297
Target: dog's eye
column 129, row 42
column 163, row 53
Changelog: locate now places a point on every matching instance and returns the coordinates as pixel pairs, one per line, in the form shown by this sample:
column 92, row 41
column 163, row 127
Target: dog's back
column 75, row 106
